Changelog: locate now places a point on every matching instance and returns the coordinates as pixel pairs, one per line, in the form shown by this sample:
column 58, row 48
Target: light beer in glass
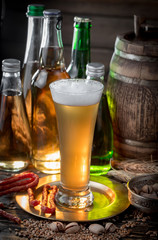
column 76, row 103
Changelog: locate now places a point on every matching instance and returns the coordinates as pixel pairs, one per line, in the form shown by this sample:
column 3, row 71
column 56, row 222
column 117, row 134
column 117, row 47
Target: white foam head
column 76, row 92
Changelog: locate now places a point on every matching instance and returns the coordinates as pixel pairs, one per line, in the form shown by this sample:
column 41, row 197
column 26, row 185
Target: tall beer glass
column 76, row 103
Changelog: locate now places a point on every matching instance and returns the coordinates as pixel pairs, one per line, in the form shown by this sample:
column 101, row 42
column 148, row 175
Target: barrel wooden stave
column 132, row 93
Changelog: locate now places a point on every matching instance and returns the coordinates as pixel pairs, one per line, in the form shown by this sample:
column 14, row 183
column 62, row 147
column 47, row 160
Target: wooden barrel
column 132, row 93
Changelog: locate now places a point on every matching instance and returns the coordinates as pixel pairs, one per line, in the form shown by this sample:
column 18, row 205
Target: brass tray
column 110, row 199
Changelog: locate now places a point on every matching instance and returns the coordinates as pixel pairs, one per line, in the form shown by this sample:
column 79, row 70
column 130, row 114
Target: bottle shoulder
column 45, row 76
column 77, row 69
column 72, row 70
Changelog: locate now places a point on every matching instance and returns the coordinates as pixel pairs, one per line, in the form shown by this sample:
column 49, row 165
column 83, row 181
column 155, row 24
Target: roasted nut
column 72, row 227
column 57, row 227
column 110, row 227
column 149, row 195
column 155, row 187
column 96, row 229
column 147, row 189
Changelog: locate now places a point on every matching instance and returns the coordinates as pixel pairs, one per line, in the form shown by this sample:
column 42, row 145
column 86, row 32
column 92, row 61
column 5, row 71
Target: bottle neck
column 94, row 77
column 81, row 40
column 34, row 35
column 95, row 74
column 51, row 50
column 51, row 33
column 80, row 54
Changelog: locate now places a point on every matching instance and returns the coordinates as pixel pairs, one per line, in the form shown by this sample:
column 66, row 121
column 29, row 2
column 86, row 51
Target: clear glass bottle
column 102, row 149
column 31, row 58
column 46, row 154
column 80, row 54
column 15, row 138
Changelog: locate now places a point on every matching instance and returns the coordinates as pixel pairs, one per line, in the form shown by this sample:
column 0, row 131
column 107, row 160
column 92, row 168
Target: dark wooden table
column 136, row 225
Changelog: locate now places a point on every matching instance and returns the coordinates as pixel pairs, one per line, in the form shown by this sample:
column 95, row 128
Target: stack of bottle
column 31, row 100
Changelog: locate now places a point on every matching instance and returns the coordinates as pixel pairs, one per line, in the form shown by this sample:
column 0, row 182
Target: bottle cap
column 52, row 13
column 82, row 22
column 11, row 65
column 95, row 69
column 35, row 10
column 82, row 19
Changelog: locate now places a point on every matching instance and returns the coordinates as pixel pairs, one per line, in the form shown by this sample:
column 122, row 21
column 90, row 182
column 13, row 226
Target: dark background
column 109, row 18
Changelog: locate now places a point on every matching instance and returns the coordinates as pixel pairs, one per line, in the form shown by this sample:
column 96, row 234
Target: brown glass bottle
column 45, row 154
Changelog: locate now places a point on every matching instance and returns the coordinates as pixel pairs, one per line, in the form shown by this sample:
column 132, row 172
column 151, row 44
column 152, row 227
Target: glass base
column 74, row 199
column 99, row 170
column 13, row 166
column 47, row 166
column 100, row 165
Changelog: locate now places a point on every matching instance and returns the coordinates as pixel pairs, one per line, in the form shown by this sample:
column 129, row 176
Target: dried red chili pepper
column 32, row 201
column 52, row 196
column 10, row 216
column 16, row 177
column 1, row 205
column 22, row 185
column 44, row 207
column 16, row 183
column 44, row 197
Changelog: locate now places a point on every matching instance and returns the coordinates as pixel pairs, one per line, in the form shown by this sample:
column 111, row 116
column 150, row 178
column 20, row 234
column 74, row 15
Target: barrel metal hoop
column 135, row 57
column 125, row 79
column 137, row 143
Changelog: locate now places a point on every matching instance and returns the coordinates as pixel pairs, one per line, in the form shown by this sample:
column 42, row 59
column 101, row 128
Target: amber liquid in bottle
column 46, row 154
column 15, row 141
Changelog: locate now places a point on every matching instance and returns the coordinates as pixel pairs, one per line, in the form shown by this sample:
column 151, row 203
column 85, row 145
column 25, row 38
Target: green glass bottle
column 80, row 54
column 102, row 149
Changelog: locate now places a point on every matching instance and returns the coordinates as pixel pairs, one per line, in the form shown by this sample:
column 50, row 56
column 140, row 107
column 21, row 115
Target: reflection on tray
column 110, row 199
